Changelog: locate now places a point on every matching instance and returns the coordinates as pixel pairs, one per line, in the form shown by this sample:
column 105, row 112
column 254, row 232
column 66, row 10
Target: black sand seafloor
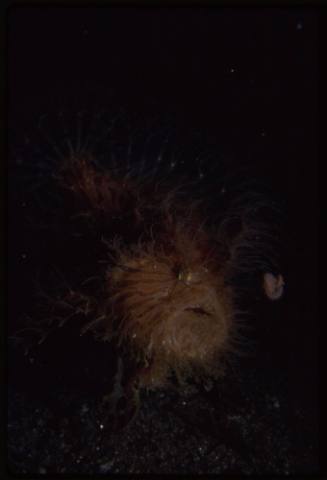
column 229, row 97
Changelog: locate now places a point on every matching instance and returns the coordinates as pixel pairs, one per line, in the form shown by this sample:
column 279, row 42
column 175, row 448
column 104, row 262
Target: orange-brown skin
column 164, row 294
column 175, row 311
column 97, row 191
column 165, row 299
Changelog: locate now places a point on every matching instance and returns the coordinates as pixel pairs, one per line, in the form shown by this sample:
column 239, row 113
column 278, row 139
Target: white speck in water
column 106, row 466
column 201, row 175
column 101, row 426
column 208, row 385
column 223, row 190
column 172, row 164
column 232, row 70
column 276, row 403
column 236, row 418
column 23, row 256
column 299, row 26
column 134, row 335
column 263, row 133
column 84, row 408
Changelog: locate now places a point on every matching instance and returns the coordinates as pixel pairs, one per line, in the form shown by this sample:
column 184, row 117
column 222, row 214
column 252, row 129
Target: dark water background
column 248, row 81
